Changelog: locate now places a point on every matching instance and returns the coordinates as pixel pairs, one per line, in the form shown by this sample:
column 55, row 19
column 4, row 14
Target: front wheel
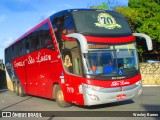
column 59, row 97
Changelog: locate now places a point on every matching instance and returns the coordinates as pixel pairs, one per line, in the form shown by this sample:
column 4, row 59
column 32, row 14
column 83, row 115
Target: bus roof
column 70, row 10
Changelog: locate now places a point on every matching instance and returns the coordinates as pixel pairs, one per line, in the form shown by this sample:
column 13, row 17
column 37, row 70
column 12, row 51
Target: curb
column 151, row 85
column 3, row 90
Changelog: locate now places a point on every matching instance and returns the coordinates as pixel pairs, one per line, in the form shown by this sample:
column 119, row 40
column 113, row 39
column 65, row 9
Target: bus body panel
column 71, row 89
column 108, row 95
column 20, row 70
column 41, row 71
column 114, row 83
column 38, row 71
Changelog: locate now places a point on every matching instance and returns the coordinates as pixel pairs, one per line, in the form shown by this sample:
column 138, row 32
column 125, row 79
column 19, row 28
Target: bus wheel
column 59, row 97
column 16, row 88
column 20, row 91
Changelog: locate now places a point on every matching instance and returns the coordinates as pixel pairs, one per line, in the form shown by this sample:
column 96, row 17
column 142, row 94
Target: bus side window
column 44, row 37
column 13, row 51
column 68, row 25
column 24, row 50
column 8, row 54
column 19, row 49
column 29, row 40
column 76, row 62
column 27, row 47
column 48, row 40
column 67, row 60
column 71, row 57
column 62, row 25
column 58, row 26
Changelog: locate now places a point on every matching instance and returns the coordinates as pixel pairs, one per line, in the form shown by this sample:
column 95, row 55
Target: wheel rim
column 60, row 97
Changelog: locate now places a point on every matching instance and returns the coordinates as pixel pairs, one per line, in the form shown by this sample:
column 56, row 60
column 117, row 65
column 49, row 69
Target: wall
column 150, row 73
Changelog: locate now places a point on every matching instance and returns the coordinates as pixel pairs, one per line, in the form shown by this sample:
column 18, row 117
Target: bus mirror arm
column 147, row 38
column 82, row 40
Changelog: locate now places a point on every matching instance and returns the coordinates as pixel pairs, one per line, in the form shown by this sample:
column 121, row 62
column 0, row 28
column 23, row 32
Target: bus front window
column 111, row 60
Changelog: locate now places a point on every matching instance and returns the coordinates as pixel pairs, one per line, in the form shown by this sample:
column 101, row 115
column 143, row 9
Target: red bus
column 79, row 56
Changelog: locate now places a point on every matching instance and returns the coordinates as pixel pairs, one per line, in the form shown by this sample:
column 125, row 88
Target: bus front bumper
column 107, row 95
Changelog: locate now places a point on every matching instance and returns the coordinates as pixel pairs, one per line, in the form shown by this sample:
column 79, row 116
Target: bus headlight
column 93, row 97
column 139, row 82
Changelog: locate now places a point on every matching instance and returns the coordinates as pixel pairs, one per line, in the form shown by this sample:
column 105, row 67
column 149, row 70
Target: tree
column 103, row 6
column 143, row 16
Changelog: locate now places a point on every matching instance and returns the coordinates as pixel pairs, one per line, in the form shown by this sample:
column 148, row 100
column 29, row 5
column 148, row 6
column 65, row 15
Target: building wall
column 150, row 73
column 2, row 75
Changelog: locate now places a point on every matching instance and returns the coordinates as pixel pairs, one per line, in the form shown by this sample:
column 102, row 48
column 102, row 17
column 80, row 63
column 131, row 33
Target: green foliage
column 143, row 16
column 103, row 6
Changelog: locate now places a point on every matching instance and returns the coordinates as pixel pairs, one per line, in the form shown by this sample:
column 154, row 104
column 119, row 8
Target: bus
column 77, row 56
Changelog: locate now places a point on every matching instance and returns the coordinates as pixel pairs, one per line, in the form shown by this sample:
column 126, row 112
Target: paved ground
column 149, row 101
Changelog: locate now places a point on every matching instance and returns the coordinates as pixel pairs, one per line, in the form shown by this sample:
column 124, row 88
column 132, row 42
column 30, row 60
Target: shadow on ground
column 107, row 105
column 153, row 109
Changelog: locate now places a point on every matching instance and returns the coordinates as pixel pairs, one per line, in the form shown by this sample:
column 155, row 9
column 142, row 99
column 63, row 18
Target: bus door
column 73, row 68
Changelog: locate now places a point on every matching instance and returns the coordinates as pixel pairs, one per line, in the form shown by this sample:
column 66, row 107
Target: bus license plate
column 121, row 96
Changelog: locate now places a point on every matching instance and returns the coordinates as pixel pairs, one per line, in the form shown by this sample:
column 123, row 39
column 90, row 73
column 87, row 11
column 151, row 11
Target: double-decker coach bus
column 78, row 56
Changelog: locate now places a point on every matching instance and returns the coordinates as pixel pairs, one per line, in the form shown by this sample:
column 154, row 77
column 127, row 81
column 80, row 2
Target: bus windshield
column 101, row 23
column 111, row 60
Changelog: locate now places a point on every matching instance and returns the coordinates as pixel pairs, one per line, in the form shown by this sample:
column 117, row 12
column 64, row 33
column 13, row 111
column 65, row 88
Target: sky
column 19, row 16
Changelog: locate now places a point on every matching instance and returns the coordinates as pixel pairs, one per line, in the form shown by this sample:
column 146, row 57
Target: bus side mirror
column 147, row 38
column 82, row 40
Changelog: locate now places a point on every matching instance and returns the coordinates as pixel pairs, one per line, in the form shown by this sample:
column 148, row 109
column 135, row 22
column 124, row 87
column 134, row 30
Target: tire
column 59, row 97
column 16, row 88
column 20, row 91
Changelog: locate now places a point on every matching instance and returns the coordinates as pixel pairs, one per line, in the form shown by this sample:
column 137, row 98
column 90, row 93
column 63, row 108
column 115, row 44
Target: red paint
column 111, row 40
column 112, row 83
column 121, row 97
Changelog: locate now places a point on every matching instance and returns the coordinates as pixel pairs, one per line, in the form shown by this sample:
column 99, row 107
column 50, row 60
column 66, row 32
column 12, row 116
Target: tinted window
column 104, row 23
column 40, row 38
column 71, row 57
column 24, row 48
column 19, row 49
column 8, row 55
column 63, row 25
column 13, row 51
